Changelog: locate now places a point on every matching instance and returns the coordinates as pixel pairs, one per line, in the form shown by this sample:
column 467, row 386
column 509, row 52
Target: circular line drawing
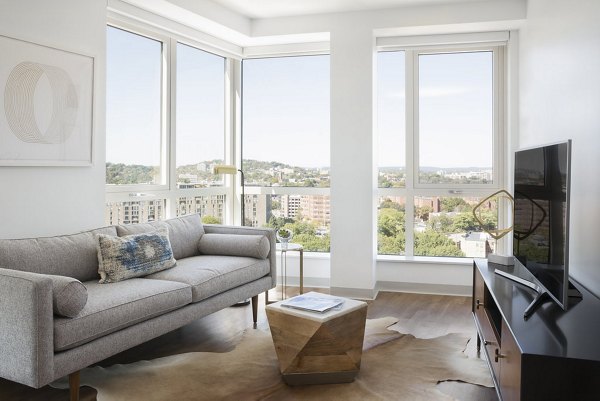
column 19, row 106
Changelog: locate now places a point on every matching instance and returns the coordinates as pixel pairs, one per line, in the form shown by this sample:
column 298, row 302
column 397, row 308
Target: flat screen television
column 541, row 220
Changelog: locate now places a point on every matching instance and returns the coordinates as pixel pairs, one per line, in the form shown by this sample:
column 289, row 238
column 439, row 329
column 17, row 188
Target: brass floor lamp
column 230, row 169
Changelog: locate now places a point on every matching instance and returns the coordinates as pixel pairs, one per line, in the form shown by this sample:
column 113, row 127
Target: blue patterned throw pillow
column 121, row 258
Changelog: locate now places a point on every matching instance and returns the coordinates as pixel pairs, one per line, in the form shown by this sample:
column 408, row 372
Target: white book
column 313, row 303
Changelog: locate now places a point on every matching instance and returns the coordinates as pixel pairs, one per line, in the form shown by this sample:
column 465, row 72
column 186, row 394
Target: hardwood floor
column 423, row 316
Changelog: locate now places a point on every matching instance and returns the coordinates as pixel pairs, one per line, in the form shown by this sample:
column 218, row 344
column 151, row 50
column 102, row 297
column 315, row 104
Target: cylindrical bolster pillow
column 253, row 246
column 69, row 296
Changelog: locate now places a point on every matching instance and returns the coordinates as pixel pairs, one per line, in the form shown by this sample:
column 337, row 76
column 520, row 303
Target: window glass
column 308, row 217
column 131, row 212
column 286, row 121
column 445, row 226
column 391, row 225
column 391, row 123
column 456, row 118
column 133, row 109
column 210, row 207
column 200, row 117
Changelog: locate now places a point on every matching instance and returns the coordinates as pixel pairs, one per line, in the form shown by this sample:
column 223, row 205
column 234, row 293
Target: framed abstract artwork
column 46, row 105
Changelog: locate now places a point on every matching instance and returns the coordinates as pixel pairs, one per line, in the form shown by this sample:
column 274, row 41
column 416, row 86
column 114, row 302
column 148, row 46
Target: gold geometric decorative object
column 498, row 232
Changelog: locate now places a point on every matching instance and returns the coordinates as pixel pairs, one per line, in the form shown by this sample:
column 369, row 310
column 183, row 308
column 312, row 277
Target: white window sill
column 425, row 260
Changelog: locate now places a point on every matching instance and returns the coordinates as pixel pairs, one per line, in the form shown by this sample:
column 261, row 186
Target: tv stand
column 541, row 297
column 552, row 356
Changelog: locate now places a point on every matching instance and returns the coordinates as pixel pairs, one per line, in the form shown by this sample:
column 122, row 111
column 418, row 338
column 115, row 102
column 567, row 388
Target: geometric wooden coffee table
column 318, row 348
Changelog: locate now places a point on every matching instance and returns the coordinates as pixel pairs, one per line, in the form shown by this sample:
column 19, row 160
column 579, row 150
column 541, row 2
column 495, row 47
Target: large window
column 438, row 151
column 286, row 144
column 162, row 93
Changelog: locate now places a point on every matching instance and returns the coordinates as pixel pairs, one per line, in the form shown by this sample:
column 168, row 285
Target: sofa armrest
column 26, row 328
column 268, row 232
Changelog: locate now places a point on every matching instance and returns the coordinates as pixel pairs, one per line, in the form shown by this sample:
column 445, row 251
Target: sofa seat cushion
column 112, row 307
column 211, row 274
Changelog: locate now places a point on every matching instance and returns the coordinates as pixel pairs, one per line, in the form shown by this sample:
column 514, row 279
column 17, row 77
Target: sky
column 286, row 104
column 455, row 109
column 286, row 110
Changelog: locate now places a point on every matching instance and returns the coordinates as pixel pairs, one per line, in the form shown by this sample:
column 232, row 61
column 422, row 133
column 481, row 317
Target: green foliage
column 391, row 245
column 465, row 222
column 389, row 204
column 208, row 219
column 278, row 222
column 272, row 173
column 442, row 223
column 390, row 231
column 454, row 205
column 431, row 243
column 124, row 174
column 299, row 228
column 423, row 212
column 390, row 222
column 312, row 243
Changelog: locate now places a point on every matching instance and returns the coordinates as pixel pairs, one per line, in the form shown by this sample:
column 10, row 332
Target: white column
column 353, row 179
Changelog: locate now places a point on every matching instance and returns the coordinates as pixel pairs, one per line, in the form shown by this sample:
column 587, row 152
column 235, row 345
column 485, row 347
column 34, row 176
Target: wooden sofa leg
column 74, row 386
column 255, row 309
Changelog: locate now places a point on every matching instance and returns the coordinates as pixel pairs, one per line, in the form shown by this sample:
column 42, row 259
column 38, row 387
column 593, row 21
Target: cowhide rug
column 394, row 366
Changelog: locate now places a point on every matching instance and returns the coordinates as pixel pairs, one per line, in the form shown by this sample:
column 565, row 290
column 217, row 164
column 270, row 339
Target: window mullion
column 171, row 117
column 412, row 146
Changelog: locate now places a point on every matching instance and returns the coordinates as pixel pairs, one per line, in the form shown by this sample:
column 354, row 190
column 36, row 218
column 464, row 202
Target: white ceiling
column 286, row 8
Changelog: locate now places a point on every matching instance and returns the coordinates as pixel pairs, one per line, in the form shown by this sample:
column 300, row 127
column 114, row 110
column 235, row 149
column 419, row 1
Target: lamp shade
column 225, row 169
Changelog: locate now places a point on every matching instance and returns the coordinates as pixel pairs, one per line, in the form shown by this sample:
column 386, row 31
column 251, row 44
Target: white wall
column 560, row 99
column 53, row 200
column 353, row 177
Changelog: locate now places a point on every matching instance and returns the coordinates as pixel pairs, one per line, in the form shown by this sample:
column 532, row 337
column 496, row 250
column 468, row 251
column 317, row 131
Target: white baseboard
column 425, row 288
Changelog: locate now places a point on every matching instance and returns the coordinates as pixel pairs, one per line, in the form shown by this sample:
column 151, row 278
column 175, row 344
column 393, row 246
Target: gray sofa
column 38, row 347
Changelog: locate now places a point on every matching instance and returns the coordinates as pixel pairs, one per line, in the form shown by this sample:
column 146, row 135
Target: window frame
column 280, row 52
column 168, row 190
column 165, row 90
column 412, row 188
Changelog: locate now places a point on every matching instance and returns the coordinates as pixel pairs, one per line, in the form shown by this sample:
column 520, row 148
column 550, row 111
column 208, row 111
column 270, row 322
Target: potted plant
column 284, row 236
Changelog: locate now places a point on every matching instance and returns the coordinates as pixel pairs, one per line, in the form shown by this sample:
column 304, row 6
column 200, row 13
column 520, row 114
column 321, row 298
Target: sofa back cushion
column 184, row 233
column 66, row 255
column 251, row 246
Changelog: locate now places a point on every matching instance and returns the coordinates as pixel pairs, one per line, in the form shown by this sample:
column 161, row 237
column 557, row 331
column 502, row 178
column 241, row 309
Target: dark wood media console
column 552, row 356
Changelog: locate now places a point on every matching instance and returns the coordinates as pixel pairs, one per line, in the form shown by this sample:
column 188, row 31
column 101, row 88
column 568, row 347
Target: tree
column 422, row 212
column 389, row 204
column 390, row 222
column 431, row 243
column 391, row 245
column 465, row 222
column 299, row 227
column 278, row 222
column 454, row 205
column 442, row 223
column 312, row 243
column 207, row 219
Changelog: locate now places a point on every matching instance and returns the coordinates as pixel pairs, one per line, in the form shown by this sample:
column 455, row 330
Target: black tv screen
column 541, row 216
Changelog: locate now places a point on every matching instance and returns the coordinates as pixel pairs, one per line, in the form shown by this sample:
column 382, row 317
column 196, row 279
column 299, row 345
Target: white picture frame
column 46, row 105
